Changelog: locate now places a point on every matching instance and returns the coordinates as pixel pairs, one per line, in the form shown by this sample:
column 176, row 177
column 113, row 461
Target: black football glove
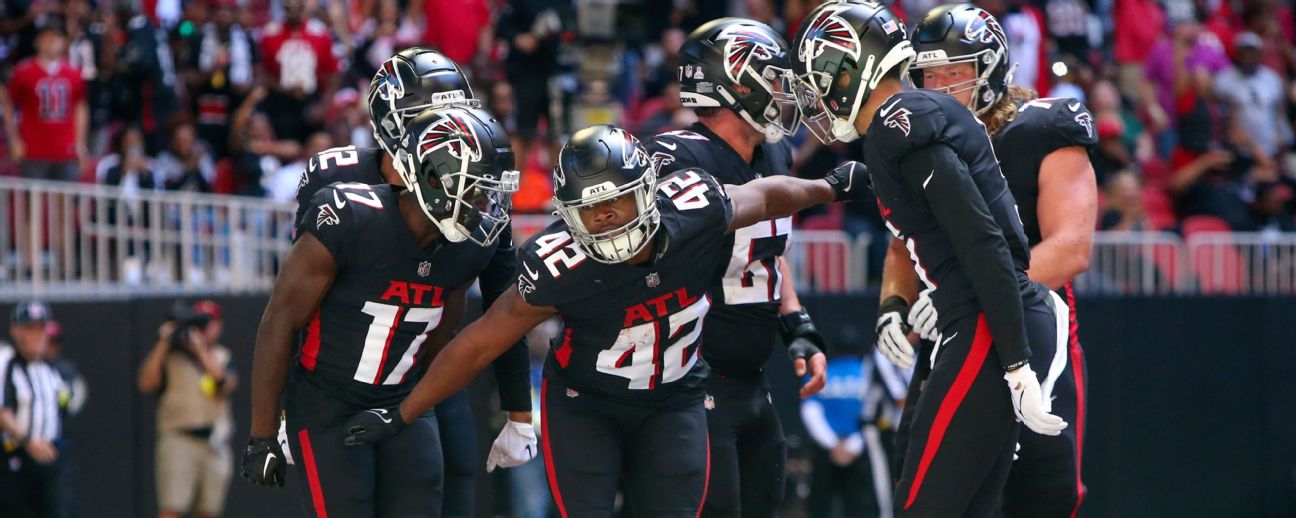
column 806, row 348
column 373, row 426
column 263, row 462
column 849, row 181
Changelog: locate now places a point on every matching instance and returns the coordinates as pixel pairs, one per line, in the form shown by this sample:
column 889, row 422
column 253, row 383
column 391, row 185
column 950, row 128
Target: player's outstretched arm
column 781, row 196
column 507, row 320
column 305, row 277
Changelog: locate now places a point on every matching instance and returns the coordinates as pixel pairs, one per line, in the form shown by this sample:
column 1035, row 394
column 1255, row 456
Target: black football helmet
column 412, row 80
column 734, row 51
column 964, row 33
column 840, row 54
column 603, row 163
column 458, row 161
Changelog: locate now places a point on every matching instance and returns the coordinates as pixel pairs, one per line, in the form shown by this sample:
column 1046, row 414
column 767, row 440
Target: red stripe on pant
column 548, row 450
column 312, row 476
column 949, row 405
column 706, row 482
column 1077, row 371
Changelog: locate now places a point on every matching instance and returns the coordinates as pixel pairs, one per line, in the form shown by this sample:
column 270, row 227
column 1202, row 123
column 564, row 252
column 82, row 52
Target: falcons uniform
column 1045, row 478
column 748, row 448
column 940, row 190
column 622, row 391
column 350, row 164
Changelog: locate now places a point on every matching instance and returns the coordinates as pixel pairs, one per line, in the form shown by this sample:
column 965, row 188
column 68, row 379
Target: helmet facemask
column 983, row 63
column 830, row 94
column 624, row 242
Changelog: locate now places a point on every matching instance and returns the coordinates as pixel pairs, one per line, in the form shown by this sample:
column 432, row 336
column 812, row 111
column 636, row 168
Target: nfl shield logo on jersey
column 425, row 268
column 653, row 280
column 709, row 402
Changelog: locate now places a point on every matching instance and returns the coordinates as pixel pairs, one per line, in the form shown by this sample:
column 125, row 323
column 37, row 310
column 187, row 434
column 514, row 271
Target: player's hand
column 849, row 181
column 1029, row 403
column 373, row 426
column 922, row 317
column 263, row 462
column 515, row 445
column 805, row 347
column 43, row 452
column 892, row 331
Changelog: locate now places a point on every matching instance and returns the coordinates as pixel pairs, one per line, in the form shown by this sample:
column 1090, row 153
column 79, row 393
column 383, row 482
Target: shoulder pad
column 910, row 120
column 671, row 151
column 693, row 203
column 545, row 259
column 1058, row 122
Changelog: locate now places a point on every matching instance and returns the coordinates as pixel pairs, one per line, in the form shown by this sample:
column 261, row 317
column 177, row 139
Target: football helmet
column 600, row 164
column 412, row 80
column 734, row 51
column 963, row 33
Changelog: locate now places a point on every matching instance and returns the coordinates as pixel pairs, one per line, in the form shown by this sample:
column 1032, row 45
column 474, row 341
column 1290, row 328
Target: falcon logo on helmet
column 984, row 29
column 633, row 156
column 829, row 30
column 743, row 43
column 454, row 134
column 389, row 83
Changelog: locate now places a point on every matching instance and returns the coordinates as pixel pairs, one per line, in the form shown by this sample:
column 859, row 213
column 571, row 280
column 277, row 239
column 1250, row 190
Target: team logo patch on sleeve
column 525, row 286
column 326, row 216
column 1085, row 120
column 898, row 120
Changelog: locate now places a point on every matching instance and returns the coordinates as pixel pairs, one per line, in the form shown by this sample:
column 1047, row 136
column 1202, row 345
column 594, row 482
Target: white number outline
column 378, row 341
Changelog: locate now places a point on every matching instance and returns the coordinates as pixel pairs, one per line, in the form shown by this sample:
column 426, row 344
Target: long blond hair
column 1003, row 112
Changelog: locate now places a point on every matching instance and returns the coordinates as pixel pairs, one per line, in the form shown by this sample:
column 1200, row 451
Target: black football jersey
column 389, row 293
column 940, row 190
column 632, row 332
column 347, row 164
column 1042, row 126
column 743, row 323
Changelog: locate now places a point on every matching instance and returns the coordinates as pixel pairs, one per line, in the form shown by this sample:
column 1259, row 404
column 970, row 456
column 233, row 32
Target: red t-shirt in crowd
column 298, row 55
column 454, row 26
column 1139, row 25
column 46, row 101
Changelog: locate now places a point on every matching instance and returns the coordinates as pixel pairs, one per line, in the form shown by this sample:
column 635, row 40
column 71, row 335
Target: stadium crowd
column 1192, row 99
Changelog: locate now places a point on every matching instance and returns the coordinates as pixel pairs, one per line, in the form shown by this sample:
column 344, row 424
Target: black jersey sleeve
column 547, row 267
column 907, row 122
column 936, row 174
column 674, row 151
column 328, row 216
column 309, row 184
column 693, row 205
column 1059, row 123
column 513, row 368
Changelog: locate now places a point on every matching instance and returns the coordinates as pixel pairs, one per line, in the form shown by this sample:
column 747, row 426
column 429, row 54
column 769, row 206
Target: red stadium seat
column 1219, row 267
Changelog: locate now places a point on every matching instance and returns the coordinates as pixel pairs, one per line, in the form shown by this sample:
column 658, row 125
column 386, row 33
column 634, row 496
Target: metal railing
column 74, row 241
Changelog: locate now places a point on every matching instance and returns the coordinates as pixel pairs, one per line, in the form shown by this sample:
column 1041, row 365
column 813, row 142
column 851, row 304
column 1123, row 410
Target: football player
column 1043, row 145
column 377, row 277
column 735, row 75
column 941, row 193
column 627, row 268
column 412, row 80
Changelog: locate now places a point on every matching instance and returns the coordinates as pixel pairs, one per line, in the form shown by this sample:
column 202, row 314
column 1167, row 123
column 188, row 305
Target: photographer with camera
column 193, row 376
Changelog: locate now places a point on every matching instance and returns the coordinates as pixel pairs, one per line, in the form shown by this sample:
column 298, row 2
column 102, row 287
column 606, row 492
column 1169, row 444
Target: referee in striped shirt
column 31, row 393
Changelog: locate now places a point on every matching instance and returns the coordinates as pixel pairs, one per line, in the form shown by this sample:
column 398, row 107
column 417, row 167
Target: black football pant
column 28, row 489
column 590, row 444
column 458, row 432
column 400, row 476
column 748, row 450
column 1045, row 479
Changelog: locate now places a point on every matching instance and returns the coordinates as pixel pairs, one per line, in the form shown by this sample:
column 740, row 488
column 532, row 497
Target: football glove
column 922, row 317
column 515, row 445
column 1029, row 403
column 892, row 332
column 373, row 426
column 263, row 462
column 849, row 181
column 800, row 335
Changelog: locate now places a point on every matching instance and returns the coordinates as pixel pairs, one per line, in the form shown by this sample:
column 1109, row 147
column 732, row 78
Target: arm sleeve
column 330, row 224
column 816, row 424
column 513, row 368
column 937, row 174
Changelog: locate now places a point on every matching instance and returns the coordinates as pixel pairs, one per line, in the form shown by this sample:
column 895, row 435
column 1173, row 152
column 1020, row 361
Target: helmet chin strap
column 844, row 130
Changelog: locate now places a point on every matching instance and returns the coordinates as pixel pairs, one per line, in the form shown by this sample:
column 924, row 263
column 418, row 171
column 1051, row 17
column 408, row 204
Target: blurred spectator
column 382, row 36
column 348, row 120
column 222, row 74
column 256, row 150
column 127, row 165
column 460, row 29
column 1139, row 26
column 186, row 164
column 1124, row 204
column 1256, row 97
column 19, row 22
column 192, row 374
column 530, row 27
column 501, row 104
column 662, row 63
column 1172, row 65
column 47, row 117
column 281, row 184
column 146, row 78
column 1068, row 27
column 668, row 114
column 31, row 417
column 297, row 54
column 1271, row 211
column 85, row 53
column 1024, row 26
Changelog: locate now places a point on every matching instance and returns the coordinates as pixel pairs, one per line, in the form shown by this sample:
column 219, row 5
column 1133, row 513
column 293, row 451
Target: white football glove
column 1029, row 403
column 892, row 337
column 515, row 446
column 922, row 317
